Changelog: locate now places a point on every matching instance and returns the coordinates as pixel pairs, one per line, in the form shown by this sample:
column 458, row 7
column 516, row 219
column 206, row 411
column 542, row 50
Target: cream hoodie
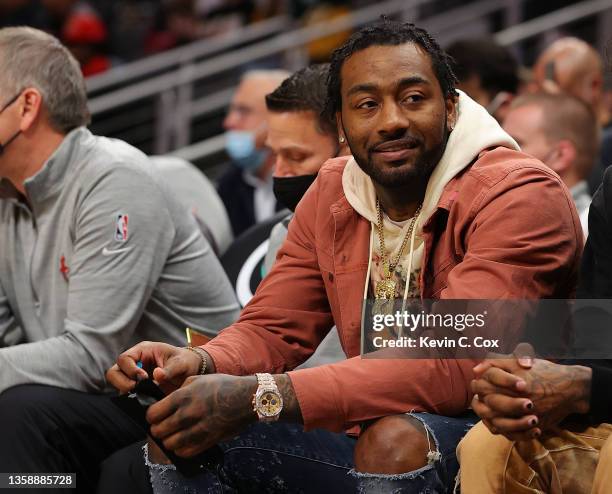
column 475, row 131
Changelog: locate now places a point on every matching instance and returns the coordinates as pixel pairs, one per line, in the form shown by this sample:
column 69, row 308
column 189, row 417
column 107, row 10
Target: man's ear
column 594, row 88
column 30, row 108
column 341, row 135
column 342, row 146
column 564, row 157
column 504, row 107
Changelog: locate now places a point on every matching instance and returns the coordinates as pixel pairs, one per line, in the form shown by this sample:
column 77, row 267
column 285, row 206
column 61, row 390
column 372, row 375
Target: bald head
column 248, row 108
column 558, row 129
column 262, row 82
column 571, row 66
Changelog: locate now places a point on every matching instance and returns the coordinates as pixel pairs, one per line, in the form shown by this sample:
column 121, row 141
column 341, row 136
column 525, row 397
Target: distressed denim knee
column 438, row 475
column 166, row 480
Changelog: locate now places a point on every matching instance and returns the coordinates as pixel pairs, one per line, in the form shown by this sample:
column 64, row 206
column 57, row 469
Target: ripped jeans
column 282, row 458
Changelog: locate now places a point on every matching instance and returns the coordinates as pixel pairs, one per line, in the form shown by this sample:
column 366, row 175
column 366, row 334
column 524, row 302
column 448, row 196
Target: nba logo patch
column 121, row 228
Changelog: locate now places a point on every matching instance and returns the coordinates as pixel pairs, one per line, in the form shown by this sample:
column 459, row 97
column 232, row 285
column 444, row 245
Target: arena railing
column 173, row 58
column 163, row 111
column 161, row 108
column 558, row 18
column 456, row 23
column 164, row 107
column 508, row 37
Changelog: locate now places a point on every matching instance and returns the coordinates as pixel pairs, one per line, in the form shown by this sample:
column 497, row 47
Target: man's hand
column 203, row 412
column 502, row 401
column 211, row 408
column 169, row 366
column 522, row 397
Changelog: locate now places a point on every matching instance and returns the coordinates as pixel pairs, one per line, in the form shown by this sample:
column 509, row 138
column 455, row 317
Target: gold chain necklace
column 385, row 288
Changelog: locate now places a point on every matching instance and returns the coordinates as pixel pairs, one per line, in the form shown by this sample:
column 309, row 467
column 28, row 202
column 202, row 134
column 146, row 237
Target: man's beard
column 401, row 176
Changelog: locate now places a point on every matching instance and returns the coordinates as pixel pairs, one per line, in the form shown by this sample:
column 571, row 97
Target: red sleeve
column 289, row 314
column 337, row 396
column 524, row 242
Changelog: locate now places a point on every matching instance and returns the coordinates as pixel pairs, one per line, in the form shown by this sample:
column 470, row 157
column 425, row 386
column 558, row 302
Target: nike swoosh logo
column 108, row 252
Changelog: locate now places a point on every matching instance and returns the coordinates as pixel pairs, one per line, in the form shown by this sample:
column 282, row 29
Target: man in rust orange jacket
column 436, row 202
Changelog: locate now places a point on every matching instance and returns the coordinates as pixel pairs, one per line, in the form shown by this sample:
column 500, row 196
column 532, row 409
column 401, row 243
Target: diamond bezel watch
column 267, row 401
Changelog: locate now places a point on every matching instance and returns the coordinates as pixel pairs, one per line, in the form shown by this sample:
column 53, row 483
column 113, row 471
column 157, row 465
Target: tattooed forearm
column 212, row 408
column 567, row 385
column 583, row 377
column 205, row 411
column 291, row 407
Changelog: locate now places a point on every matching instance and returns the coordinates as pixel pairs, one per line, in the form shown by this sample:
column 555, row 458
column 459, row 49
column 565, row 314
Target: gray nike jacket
column 97, row 257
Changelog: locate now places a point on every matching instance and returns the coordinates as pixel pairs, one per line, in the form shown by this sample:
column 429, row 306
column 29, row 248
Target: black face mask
column 14, row 136
column 290, row 190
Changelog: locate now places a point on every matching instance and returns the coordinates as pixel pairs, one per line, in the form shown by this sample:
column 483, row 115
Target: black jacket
column 596, row 283
column 239, row 199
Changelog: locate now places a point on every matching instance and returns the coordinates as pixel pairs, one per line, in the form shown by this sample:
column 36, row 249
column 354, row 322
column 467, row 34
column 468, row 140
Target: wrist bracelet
column 203, row 360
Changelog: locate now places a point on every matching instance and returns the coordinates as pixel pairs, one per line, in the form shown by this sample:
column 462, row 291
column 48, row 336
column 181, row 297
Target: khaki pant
column 574, row 460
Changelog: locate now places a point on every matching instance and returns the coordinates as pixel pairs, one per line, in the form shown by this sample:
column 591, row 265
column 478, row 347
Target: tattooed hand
column 521, row 398
column 211, row 408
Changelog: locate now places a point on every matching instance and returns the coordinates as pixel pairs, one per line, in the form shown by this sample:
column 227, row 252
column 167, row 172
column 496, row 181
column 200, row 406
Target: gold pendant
column 385, row 289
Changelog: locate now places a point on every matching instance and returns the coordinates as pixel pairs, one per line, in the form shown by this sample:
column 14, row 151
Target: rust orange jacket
column 505, row 228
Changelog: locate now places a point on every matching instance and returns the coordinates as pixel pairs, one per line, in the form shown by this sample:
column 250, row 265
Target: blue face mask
column 240, row 146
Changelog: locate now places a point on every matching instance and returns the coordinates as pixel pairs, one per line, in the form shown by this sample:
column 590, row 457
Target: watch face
column 269, row 404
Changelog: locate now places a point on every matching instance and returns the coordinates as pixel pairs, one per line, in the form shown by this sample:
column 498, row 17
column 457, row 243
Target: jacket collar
column 449, row 194
column 51, row 177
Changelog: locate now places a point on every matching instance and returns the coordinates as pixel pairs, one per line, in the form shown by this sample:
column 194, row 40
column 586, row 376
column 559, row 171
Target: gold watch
column 267, row 401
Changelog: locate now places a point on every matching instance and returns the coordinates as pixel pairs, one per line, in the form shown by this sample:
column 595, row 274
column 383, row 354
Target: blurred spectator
column 561, row 132
column 19, row 13
column 177, row 23
column 302, row 138
column 184, row 21
column 198, row 195
column 572, row 66
column 133, row 23
column 319, row 50
column 487, row 72
column 246, row 187
column 81, row 28
column 85, row 35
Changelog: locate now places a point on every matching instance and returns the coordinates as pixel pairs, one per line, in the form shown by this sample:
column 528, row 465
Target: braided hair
column 388, row 33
